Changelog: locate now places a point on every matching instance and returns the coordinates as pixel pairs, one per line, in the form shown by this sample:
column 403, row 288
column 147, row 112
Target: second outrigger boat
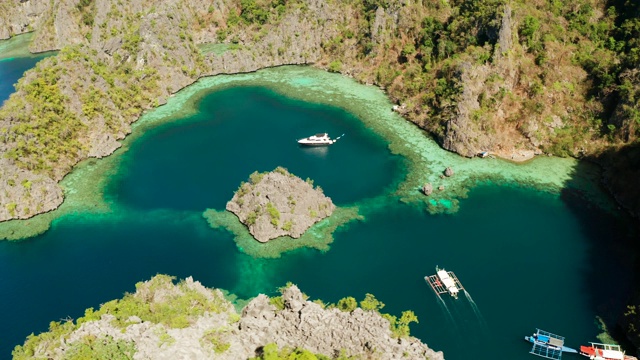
column 321, row 139
column 597, row 351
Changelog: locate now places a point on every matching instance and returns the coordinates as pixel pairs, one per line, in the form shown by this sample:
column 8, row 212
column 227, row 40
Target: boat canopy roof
column 556, row 342
column 320, row 134
column 613, row 354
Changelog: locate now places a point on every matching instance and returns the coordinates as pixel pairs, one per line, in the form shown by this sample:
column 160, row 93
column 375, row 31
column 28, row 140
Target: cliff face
column 213, row 329
column 468, row 132
column 110, row 70
column 19, row 16
column 116, row 61
column 481, row 76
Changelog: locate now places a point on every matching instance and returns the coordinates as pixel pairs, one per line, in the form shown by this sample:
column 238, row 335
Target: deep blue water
column 198, row 163
column 528, row 259
column 11, row 70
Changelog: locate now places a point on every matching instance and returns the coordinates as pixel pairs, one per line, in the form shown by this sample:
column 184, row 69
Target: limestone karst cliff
column 484, row 76
column 166, row 321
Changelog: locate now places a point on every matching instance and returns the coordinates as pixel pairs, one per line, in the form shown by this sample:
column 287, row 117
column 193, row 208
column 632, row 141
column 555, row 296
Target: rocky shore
column 278, row 203
column 218, row 331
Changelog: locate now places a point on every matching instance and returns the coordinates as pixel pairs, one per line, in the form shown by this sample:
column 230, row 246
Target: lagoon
column 523, row 240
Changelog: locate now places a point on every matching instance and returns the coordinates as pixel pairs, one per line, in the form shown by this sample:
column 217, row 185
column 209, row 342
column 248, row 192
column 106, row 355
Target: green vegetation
column 177, row 309
column 370, row 303
column 159, row 301
column 283, row 171
column 347, row 304
column 277, row 301
column 48, row 133
column 87, row 10
column 11, row 207
column 261, row 11
column 243, row 189
column 274, row 214
column 287, row 225
column 48, row 137
column 44, row 342
column 335, row 66
column 252, row 216
column 215, row 337
column 100, row 348
column 400, row 327
column 271, row 352
column 163, row 336
column 255, row 177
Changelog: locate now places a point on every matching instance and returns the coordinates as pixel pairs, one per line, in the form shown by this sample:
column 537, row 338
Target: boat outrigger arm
column 548, row 345
column 444, row 282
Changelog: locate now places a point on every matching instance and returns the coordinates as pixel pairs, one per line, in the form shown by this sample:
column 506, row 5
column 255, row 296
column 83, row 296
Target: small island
column 278, row 203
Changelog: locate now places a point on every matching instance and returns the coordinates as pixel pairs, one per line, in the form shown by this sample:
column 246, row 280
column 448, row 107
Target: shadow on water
column 614, row 246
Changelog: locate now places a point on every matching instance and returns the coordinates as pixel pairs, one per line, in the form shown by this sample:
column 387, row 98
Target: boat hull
column 314, row 144
column 546, row 344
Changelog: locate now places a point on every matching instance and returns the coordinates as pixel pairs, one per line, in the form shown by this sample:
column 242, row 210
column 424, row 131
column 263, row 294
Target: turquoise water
column 529, row 259
column 242, row 130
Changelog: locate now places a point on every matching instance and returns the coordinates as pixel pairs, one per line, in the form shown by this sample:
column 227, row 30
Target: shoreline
column 424, row 158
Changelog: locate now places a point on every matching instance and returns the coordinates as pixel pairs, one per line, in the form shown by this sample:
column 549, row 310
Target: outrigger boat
column 548, row 345
column 597, row 351
column 444, row 282
column 321, row 139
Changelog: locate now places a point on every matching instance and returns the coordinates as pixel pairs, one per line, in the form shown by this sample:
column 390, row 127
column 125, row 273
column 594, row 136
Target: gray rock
column 278, row 204
column 427, row 189
column 448, row 172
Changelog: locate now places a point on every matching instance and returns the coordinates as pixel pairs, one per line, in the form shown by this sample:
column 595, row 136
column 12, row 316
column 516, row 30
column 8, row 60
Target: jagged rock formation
column 19, row 16
column 482, row 76
column 215, row 330
column 466, row 132
column 118, row 60
column 278, row 203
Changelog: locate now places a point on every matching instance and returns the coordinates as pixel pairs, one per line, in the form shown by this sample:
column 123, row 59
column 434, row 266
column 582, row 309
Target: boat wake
column 476, row 311
column 446, row 311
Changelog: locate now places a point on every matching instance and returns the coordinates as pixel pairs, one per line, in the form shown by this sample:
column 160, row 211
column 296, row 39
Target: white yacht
column 321, row 139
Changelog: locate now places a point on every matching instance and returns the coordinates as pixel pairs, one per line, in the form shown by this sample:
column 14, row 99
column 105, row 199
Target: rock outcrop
column 466, row 131
column 278, row 204
column 219, row 332
column 117, row 60
column 19, row 16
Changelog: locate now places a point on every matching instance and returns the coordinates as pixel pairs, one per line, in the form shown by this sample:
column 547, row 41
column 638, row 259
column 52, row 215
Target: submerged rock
column 448, row 172
column 278, row 204
column 427, row 189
